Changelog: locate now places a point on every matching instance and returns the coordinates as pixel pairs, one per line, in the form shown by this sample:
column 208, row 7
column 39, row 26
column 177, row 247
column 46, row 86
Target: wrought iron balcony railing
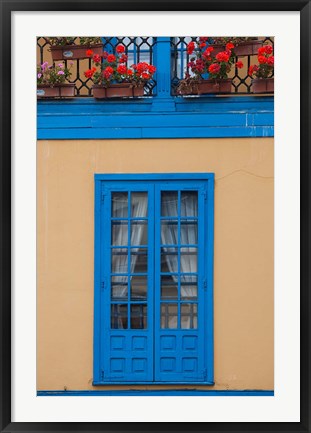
column 169, row 70
column 241, row 81
column 138, row 49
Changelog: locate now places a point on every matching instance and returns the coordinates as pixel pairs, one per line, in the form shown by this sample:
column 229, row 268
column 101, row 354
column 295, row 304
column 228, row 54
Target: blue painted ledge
column 179, row 117
column 158, row 392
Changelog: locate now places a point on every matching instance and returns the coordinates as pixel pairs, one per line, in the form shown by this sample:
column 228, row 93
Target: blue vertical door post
column 163, row 101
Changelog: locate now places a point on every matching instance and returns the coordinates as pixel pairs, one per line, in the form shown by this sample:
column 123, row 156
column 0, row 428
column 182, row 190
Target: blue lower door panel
column 128, row 357
column 179, row 357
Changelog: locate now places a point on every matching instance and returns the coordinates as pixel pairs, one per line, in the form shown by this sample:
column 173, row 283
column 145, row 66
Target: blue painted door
column 127, row 275
column 155, row 315
column 179, row 283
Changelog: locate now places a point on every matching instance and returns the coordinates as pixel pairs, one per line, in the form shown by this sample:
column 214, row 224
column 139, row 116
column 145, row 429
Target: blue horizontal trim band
column 154, row 176
column 158, row 392
column 203, row 117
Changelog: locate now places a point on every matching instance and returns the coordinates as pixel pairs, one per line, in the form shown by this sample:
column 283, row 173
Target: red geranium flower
column 223, row 56
column 270, row 61
column 261, row 51
column 268, row 49
column 239, row 65
column 108, row 72
column 120, row 49
column 214, row 68
column 111, row 58
column 123, row 58
column 89, row 53
column 122, row 69
column 202, row 44
column 252, row 69
column 190, row 47
column 151, row 69
column 96, row 58
column 89, row 73
column 229, row 46
column 145, row 76
column 129, row 72
column 262, row 59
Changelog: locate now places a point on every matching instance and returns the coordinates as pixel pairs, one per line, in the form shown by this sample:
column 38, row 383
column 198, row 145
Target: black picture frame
column 6, row 8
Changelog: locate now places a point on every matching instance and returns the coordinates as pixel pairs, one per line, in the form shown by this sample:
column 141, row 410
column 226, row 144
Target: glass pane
column 139, row 261
column 169, row 260
column 169, row 287
column 119, row 287
column 119, row 261
column 119, row 316
column 139, row 204
column 189, row 203
column 169, row 203
column 169, row 316
column 188, row 316
column 139, row 316
column 188, row 260
column 169, row 232
column 139, row 286
column 188, row 232
column 139, row 232
column 119, row 233
column 188, row 286
column 119, row 204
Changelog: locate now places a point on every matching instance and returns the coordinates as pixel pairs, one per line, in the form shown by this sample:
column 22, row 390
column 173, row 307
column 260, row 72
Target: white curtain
column 169, row 233
column 188, row 236
column 120, row 261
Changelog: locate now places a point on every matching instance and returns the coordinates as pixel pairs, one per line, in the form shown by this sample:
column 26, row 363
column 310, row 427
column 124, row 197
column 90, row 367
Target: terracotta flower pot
column 74, row 52
column 120, row 90
column 248, row 48
column 217, row 48
column 57, row 91
column 208, row 87
column 263, row 85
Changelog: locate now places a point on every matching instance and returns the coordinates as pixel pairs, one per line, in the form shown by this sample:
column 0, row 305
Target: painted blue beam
column 157, row 133
column 206, row 117
column 159, row 392
column 157, row 120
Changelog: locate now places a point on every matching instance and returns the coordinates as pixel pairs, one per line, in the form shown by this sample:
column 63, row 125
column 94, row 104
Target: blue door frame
column 199, row 368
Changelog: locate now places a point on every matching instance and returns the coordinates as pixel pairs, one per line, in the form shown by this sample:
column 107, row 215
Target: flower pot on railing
column 242, row 46
column 208, row 72
column 263, row 85
column 262, row 73
column 248, row 48
column 119, row 90
column 113, row 79
column 75, row 52
column 52, row 81
column 55, row 91
column 206, row 87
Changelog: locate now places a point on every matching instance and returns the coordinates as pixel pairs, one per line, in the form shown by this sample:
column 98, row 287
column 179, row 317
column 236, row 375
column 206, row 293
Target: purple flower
column 39, row 75
column 44, row 66
column 60, row 73
column 60, row 65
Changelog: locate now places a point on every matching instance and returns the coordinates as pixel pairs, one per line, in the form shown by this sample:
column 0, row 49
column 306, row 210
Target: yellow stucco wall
column 243, row 254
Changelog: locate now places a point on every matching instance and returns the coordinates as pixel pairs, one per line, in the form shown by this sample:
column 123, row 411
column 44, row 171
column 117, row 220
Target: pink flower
column 60, row 73
column 39, row 75
column 60, row 65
